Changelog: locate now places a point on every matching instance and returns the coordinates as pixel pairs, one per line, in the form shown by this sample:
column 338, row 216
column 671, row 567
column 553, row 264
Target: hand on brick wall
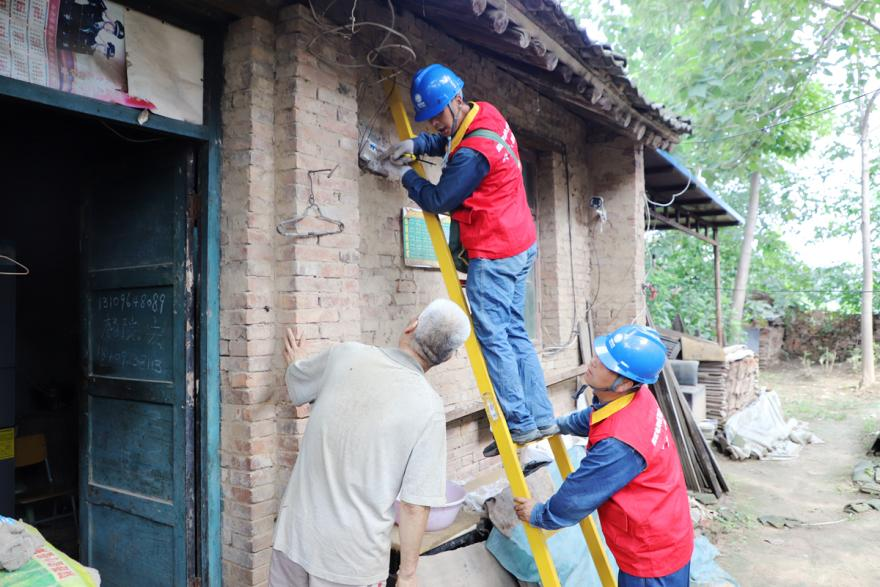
column 294, row 349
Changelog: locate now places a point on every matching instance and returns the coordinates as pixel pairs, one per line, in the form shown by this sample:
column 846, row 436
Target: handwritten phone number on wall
column 154, row 302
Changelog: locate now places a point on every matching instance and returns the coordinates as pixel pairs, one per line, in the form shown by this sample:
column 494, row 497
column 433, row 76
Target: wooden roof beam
column 500, row 20
column 476, row 33
column 673, row 224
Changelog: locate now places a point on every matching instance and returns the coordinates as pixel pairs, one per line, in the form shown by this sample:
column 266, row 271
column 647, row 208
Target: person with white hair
column 376, row 432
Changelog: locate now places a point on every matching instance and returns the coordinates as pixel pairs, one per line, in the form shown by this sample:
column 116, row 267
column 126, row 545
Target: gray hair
column 442, row 328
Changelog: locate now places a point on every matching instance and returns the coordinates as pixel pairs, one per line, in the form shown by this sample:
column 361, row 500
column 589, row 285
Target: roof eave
column 583, row 71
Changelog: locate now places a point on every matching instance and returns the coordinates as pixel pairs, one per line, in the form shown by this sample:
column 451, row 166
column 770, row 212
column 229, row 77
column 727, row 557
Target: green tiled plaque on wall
column 417, row 248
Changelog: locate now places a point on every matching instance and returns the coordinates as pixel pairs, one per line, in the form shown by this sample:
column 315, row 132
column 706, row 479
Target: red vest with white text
column 495, row 221
column 647, row 524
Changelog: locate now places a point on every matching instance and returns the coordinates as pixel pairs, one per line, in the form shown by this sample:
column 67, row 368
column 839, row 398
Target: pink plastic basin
column 441, row 517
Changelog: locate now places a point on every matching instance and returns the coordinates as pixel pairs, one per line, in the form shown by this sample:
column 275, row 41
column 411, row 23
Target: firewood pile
column 731, row 384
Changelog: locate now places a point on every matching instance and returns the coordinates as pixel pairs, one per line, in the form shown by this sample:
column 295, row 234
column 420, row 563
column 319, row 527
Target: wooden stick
column 538, row 47
column 500, row 20
column 696, row 436
column 583, row 85
column 524, row 37
column 566, row 72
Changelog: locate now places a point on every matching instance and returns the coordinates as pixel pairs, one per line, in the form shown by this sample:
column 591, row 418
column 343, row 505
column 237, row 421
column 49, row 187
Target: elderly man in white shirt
column 377, row 431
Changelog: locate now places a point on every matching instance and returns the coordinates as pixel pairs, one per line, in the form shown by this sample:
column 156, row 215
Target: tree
column 867, row 274
column 858, row 52
column 748, row 74
column 745, row 256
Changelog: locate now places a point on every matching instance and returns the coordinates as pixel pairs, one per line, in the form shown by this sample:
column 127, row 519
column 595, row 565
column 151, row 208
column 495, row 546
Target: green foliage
column 729, row 66
column 750, row 75
column 681, row 268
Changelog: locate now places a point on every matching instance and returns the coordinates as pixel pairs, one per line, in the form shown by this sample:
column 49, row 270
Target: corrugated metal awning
column 680, row 200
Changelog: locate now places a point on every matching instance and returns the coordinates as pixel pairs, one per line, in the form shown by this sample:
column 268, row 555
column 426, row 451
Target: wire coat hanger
column 288, row 227
column 25, row 270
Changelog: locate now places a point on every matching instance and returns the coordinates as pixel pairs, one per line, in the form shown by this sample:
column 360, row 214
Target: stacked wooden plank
column 713, row 374
column 731, row 384
column 701, row 471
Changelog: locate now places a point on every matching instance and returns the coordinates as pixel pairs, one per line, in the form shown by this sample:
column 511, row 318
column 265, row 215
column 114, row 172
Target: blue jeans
column 680, row 578
column 496, row 291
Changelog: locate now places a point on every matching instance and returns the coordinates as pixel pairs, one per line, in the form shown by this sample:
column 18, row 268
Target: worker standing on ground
column 631, row 473
column 377, row 429
column 482, row 185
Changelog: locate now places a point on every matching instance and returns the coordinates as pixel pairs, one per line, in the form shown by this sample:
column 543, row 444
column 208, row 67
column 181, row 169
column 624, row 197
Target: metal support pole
column 719, row 320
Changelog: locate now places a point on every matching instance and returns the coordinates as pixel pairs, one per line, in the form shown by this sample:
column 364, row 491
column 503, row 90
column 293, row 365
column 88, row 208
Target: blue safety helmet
column 635, row 352
column 433, row 88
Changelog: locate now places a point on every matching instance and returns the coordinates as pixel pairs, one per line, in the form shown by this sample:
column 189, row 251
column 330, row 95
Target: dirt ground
column 838, row 549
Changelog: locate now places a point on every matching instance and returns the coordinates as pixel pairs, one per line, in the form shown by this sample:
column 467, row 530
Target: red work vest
column 647, row 524
column 495, row 220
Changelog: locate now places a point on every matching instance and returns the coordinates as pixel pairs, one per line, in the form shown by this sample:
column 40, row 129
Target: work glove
column 394, row 170
column 398, row 152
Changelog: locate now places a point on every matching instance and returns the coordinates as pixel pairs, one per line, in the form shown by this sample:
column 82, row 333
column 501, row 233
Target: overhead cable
column 767, row 127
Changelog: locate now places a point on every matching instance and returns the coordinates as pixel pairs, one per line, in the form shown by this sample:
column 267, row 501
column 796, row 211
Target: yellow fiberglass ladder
column 537, row 538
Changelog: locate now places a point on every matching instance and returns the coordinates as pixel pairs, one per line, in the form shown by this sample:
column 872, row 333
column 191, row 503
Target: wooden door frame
column 207, row 442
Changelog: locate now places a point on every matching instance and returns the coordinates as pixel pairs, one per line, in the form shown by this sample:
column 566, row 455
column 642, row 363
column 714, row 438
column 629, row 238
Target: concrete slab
column 472, row 565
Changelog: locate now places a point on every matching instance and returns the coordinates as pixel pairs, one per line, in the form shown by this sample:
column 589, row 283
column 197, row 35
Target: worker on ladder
column 631, row 473
column 482, row 185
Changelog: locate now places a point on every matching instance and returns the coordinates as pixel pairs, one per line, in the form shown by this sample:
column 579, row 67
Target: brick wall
column 287, row 110
column 317, row 278
column 617, row 173
column 249, row 377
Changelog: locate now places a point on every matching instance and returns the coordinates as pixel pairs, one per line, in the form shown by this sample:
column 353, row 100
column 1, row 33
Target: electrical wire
column 672, row 200
column 129, row 139
column 554, row 350
column 323, row 14
column 362, row 139
column 353, row 28
column 769, row 291
column 648, row 254
column 767, row 127
column 373, row 53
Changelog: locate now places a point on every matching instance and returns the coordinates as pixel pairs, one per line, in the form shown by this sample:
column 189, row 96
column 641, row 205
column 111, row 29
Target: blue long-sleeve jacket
column 609, row 465
column 461, row 176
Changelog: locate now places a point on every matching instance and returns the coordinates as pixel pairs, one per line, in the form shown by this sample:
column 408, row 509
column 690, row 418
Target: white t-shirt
column 377, row 429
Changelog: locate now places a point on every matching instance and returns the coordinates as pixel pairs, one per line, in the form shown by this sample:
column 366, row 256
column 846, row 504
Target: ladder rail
column 588, row 526
column 537, row 538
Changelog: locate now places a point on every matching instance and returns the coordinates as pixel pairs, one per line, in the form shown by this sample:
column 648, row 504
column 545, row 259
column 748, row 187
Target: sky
column 801, row 236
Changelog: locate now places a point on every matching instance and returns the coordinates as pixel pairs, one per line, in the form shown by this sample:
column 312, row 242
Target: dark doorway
column 104, row 331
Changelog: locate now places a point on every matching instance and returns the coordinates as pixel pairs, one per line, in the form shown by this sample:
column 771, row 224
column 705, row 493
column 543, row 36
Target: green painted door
column 137, row 440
